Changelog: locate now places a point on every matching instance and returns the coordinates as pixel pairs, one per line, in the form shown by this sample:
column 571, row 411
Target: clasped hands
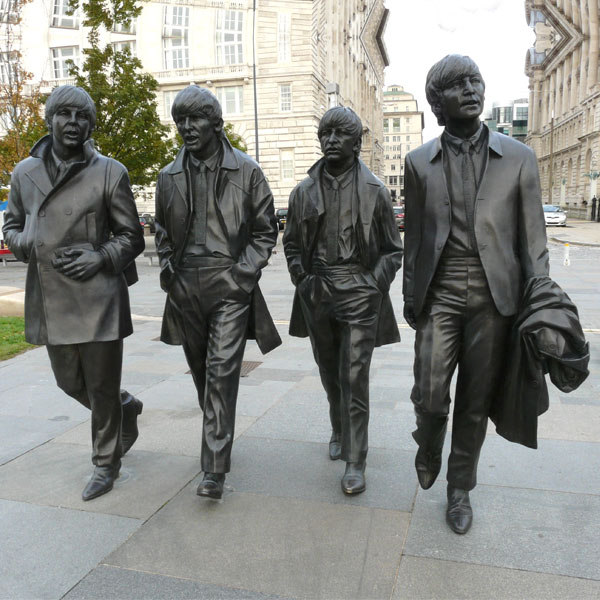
column 78, row 263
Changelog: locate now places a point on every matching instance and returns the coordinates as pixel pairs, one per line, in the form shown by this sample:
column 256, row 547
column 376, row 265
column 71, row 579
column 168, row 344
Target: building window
column 285, row 97
column 175, row 37
column 283, row 37
column 394, row 180
column 168, row 99
column 60, row 18
column 231, row 99
column 126, row 27
column 8, row 13
column 287, row 164
column 61, row 60
column 396, row 125
column 8, row 67
column 393, row 167
column 128, row 46
column 386, row 125
column 230, row 47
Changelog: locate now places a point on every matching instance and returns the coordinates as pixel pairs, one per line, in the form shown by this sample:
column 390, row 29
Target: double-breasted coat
column 379, row 244
column 509, row 223
column 244, row 205
column 90, row 206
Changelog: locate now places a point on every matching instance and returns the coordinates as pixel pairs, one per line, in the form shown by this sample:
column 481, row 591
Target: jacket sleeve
column 127, row 239
column 533, row 253
column 16, row 232
column 412, row 229
column 164, row 247
column 292, row 237
column 390, row 244
column 262, row 234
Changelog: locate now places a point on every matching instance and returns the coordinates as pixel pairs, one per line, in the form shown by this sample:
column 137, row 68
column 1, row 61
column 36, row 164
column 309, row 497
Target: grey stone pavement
column 284, row 529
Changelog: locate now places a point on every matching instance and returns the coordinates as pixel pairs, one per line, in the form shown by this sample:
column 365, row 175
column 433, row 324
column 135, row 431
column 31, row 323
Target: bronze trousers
column 91, row 373
column 212, row 314
column 341, row 310
column 458, row 326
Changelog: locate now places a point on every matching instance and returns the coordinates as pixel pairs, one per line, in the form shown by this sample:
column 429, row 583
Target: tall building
column 564, row 99
column 310, row 55
column 403, row 131
column 510, row 118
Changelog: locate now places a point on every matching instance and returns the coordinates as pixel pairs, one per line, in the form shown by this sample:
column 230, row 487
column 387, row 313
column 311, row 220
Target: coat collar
column 494, row 144
column 41, row 150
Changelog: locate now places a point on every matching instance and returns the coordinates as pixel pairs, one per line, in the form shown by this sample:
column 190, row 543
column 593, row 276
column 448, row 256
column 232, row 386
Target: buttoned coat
column 90, row 206
column 378, row 240
column 244, row 205
column 508, row 219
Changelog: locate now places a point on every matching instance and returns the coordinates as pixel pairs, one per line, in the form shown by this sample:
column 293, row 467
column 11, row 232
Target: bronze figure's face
column 70, row 127
column 338, row 144
column 340, row 135
column 197, row 131
column 463, row 98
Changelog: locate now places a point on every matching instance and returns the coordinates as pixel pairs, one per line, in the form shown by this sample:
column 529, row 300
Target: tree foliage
column 21, row 103
column 128, row 127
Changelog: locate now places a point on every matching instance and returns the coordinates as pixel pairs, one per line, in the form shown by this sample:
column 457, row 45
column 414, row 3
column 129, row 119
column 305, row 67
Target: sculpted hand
column 409, row 314
column 80, row 264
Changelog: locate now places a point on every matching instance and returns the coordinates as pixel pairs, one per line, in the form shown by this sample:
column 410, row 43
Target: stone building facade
column 310, row 55
column 403, row 131
column 564, row 100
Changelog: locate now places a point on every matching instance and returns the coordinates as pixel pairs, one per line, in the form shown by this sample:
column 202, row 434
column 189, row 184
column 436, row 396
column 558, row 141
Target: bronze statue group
column 476, row 286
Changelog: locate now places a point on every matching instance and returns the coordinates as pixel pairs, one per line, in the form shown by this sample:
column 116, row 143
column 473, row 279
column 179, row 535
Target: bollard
column 567, row 260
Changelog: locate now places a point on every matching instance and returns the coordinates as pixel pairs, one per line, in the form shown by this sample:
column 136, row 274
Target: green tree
column 237, row 141
column 128, row 127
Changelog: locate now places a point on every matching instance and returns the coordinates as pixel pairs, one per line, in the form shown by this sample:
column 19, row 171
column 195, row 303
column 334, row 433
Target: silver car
column 554, row 215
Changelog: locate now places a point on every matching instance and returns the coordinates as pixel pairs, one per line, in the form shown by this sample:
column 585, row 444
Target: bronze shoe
column 101, row 482
column 211, row 485
column 459, row 514
column 335, row 446
column 129, row 428
column 353, row 481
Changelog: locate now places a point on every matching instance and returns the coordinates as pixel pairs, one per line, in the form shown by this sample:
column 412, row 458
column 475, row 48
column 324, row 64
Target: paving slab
column 45, row 551
column 303, row 470
column 279, row 546
column 557, row 465
column 55, row 475
column 529, row 530
column 424, row 579
column 570, row 422
column 111, row 582
column 20, row 434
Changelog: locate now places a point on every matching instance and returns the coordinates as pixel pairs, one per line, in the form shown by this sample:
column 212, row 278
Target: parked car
column 148, row 219
column 399, row 216
column 281, row 214
column 555, row 215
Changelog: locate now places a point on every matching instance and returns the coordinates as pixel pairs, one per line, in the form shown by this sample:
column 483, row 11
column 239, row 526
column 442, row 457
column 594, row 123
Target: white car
column 554, row 215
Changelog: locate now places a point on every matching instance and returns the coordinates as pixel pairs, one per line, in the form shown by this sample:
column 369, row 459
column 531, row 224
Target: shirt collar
column 211, row 162
column 67, row 163
column 343, row 180
column 455, row 142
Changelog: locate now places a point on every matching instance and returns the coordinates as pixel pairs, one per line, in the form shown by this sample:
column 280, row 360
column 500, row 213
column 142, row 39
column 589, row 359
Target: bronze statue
column 71, row 215
column 474, row 237
column 343, row 250
column 215, row 229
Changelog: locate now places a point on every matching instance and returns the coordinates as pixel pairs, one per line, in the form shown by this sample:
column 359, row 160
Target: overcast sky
column 493, row 33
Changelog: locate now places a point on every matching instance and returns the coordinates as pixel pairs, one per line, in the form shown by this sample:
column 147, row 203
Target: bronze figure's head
column 340, row 134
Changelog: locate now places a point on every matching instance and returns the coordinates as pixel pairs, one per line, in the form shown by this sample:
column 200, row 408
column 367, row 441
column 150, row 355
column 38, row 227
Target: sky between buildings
column 493, row 33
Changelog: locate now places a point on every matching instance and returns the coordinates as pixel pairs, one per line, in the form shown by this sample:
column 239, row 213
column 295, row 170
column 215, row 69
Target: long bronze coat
column 509, row 224
column 91, row 205
column 379, row 244
column 245, row 210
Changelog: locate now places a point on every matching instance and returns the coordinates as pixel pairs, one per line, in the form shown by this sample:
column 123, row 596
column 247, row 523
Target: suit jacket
column 92, row 206
column 244, row 209
column 509, row 224
column 379, row 244
column 546, row 338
